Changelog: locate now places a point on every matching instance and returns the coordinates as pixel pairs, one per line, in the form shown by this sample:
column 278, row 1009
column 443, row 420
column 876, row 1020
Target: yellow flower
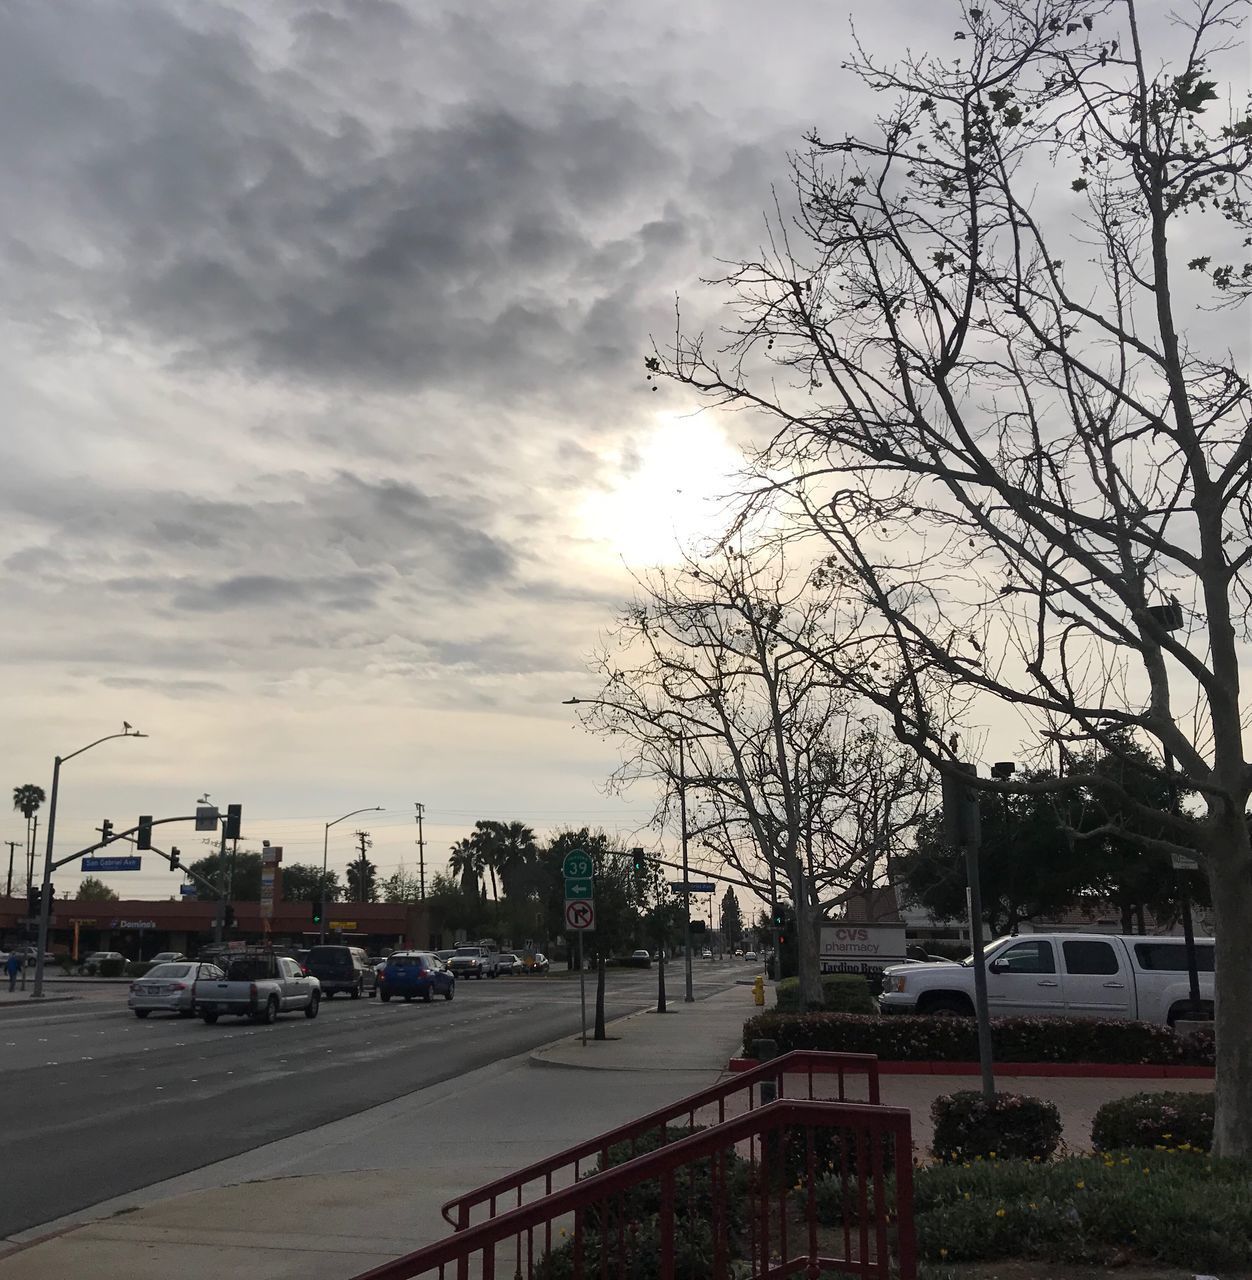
column 943, row 1253
column 1000, row 1213
column 1080, row 1184
column 967, row 1195
column 1033, row 1205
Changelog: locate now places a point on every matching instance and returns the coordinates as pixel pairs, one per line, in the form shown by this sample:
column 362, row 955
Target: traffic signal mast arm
column 114, row 837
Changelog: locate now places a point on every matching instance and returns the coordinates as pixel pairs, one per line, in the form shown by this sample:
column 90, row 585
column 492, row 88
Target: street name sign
column 112, row 864
column 580, row 915
column 577, row 888
column 578, row 865
column 187, row 890
column 693, row 886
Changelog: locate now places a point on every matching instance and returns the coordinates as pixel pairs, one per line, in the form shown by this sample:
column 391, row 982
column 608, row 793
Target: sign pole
column 582, row 986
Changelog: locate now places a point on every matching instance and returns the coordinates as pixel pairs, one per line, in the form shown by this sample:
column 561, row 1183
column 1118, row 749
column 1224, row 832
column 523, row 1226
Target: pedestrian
column 13, row 966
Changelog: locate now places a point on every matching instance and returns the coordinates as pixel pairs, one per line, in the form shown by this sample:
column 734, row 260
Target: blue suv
column 415, row 973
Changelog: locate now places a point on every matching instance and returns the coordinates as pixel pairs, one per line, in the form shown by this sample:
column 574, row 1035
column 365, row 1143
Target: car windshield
column 408, row 962
column 467, row 951
column 168, row 972
column 330, row 957
column 987, row 950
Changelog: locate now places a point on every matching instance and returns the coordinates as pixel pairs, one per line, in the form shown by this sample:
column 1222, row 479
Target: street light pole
column 45, row 898
column 372, row 808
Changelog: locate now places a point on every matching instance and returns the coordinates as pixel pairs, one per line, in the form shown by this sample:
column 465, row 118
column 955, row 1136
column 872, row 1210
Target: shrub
column 921, row 1038
column 66, row 961
column 841, row 993
column 1010, row 1127
column 1161, row 1205
column 137, row 968
column 1182, row 1121
column 111, row 968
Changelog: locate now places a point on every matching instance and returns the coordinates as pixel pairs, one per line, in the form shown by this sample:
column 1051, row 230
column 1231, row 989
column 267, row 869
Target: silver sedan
column 168, row 988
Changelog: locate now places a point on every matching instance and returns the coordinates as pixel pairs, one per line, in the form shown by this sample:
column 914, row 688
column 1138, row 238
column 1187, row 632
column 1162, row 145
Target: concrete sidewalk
column 327, row 1204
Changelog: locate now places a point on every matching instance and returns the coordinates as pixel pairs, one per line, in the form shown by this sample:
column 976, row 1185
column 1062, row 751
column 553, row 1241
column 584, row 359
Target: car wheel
column 141, row 1013
column 328, row 993
column 429, row 994
column 270, row 1016
column 949, row 1007
column 479, row 976
column 209, row 1018
column 407, row 999
column 447, row 995
column 356, row 991
column 384, row 996
column 186, row 1013
column 310, row 1009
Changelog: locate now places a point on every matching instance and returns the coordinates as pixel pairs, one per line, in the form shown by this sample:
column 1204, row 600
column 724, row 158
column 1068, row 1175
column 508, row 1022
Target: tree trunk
column 599, row 1034
column 807, row 960
column 1127, row 919
column 660, row 980
column 1143, row 928
column 1230, row 877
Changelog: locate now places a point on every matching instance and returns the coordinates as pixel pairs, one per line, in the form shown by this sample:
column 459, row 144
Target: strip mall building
column 139, row 929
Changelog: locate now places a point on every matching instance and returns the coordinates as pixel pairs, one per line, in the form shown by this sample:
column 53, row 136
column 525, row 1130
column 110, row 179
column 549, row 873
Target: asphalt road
column 95, row 1103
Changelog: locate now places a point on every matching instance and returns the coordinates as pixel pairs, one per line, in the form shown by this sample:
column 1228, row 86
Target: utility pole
column 8, row 892
column 363, row 838
column 421, row 850
column 223, row 889
column 30, row 854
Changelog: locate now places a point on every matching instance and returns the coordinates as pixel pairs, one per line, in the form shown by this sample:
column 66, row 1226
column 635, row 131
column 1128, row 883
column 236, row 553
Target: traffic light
column 234, row 820
column 638, row 861
column 106, row 831
column 779, row 918
column 143, row 838
column 317, row 912
column 696, row 926
column 174, row 858
column 32, row 901
column 962, row 819
column 229, row 918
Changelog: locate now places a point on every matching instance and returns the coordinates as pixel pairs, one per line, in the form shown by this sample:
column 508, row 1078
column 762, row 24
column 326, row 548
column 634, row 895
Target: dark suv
column 340, row 968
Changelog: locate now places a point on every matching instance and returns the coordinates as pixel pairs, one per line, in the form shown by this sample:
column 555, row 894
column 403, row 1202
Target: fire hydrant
column 758, row 990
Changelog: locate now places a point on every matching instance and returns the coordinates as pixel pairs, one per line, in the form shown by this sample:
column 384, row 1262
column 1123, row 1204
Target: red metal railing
column 790, row 1188
column 713, row 1105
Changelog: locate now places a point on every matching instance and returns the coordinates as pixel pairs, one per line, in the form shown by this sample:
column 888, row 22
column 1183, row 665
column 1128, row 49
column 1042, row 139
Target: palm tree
column 486, row 839
column 516, row 856
column 466, row 861
column 26, row 800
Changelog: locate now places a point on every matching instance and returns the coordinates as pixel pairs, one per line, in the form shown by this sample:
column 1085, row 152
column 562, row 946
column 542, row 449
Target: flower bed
column 1177, row 1121
column 921, row 1038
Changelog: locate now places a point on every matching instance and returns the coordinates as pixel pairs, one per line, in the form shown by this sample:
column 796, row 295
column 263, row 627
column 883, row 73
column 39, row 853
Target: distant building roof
column 879, row 905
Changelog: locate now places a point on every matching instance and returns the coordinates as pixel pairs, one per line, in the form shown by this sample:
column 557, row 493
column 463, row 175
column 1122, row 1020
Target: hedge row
column 921, row 1038
column 841, row 993
column 1009, row 1127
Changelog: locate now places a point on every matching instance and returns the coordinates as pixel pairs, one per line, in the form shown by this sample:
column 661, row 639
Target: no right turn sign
column 580, row 915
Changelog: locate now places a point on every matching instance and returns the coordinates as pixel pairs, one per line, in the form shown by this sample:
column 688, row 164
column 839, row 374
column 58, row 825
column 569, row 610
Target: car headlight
column 897, row 983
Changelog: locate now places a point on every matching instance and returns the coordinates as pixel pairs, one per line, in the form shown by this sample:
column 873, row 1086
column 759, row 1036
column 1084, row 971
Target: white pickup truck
column 1077, row 975
column 258, row 985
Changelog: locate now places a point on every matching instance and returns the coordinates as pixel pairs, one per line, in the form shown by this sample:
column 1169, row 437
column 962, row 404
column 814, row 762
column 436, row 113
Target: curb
column 1065, row 1070
column 30, row 1005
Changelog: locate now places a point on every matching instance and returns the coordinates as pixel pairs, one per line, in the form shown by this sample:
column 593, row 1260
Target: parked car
column 415, row 973
column 258, row 985
column 642, row 957
column 167, row 957
column 738, row 951
column 168, row 988
column 474, row 962
column 447, row 955
column 706, row 954
column 508, row 962
column 341, row 968
column 91, row 965
column 749, row 957
column 1080, row 975
column 535, row 962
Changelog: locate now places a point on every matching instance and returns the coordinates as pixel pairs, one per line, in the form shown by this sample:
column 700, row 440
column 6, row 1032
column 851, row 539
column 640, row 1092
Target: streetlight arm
column 108, row 737
column 370, row 808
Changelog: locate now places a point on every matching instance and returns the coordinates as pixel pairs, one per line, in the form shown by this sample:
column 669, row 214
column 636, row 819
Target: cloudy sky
column 326, row 431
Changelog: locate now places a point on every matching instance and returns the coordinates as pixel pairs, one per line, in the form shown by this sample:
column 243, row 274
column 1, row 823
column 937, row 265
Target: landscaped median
column 921, row 1044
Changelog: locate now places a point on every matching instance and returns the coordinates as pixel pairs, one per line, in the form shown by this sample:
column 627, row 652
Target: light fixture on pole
column 371, row 808
column 45, row 902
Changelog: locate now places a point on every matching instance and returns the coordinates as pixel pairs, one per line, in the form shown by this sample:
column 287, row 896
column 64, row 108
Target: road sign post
column 579, row 871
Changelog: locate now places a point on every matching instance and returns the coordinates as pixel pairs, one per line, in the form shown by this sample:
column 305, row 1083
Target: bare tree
column 1009, row 409
column 784, row 781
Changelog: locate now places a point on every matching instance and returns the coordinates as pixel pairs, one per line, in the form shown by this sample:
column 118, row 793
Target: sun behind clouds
column 667, row 491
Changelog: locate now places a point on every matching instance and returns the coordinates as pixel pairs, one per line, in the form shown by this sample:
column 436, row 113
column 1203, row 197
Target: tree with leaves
column 1007, row 416
column 304, row 882
column 402, row 885
column 732, row 919
column 244, row 874
column 465, row 862
column 90, row 889
column 26, row 800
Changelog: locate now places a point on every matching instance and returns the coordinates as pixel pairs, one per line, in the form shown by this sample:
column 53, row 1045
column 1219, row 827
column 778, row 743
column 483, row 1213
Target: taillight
column 178, row 986
column 252, row 990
